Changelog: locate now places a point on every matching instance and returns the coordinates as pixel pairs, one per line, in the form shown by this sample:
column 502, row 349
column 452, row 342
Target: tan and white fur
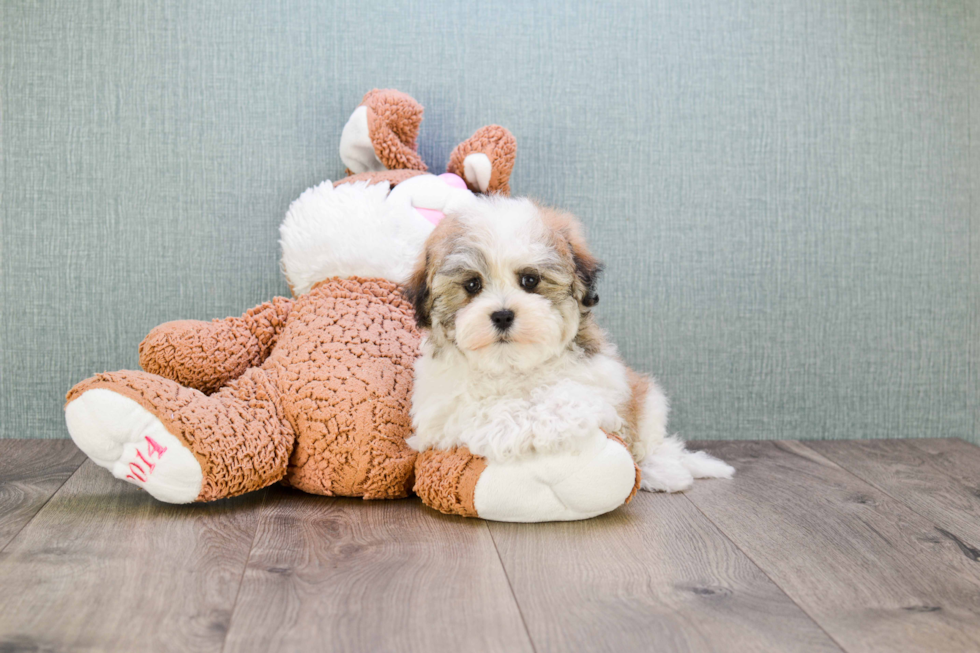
column 513, row 362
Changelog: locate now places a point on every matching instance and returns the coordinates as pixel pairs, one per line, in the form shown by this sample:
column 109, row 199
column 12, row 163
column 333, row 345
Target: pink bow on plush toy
column 435, row 215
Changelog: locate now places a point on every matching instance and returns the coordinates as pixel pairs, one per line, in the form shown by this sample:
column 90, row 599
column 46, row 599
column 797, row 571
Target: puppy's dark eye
column 473, row 286
column 529, row 281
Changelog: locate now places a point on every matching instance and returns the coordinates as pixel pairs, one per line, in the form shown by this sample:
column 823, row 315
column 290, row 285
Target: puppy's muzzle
column 502, row 320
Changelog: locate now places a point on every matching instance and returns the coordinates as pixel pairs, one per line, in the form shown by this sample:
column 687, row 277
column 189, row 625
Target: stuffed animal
column 315, row 391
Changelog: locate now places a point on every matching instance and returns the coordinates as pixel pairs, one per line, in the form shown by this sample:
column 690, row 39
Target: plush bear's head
column 374, row 222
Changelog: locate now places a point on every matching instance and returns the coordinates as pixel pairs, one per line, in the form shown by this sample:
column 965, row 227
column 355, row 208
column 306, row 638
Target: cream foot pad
column 558, row 487
column 125, row 438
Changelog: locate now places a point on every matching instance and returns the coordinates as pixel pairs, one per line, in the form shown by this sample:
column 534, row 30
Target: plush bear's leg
column 177, row 443
column 545, row 487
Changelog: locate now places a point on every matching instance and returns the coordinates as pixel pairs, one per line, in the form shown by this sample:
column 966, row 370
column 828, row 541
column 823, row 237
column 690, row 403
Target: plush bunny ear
column 382, row 133
column 485, row 160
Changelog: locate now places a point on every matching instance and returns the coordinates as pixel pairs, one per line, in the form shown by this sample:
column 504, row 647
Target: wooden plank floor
column 815, row 546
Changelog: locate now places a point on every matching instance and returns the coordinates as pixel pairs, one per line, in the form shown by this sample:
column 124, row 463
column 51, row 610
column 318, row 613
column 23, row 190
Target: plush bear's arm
column 544, row 487
column 206, row 355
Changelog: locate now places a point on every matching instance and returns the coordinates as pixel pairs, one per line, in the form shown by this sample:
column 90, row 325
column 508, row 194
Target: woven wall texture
column 786, row 193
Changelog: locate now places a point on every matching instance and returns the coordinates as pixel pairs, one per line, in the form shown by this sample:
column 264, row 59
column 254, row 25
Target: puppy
column 513, row 361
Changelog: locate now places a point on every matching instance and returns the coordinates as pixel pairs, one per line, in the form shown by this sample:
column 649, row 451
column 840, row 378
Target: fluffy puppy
column 513, row 362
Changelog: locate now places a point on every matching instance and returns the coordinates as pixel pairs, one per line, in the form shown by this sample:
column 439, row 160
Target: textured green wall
column 785, row 192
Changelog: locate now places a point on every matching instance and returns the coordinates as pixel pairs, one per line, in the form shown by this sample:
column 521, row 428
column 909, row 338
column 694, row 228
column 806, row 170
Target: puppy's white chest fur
column 504, row 414
column 514, row 363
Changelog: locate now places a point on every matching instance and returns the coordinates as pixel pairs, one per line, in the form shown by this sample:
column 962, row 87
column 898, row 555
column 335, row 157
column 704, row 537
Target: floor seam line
column 928, row 456
column 766, row 574
column 886, row 492
column 510, row 586
column 241, row 579
column 869, row 483
column 42, row 506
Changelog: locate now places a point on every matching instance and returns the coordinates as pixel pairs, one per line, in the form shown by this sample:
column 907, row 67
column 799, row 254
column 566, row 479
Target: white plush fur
column 532, row 390
column 348, row 231
column 360, row 229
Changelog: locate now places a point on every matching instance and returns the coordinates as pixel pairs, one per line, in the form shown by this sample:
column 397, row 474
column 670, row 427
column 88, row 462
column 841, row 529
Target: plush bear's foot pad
column 128, row 440
column 558, row 487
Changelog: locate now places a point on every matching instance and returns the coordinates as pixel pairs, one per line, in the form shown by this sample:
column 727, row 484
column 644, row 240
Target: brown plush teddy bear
column 315, row 391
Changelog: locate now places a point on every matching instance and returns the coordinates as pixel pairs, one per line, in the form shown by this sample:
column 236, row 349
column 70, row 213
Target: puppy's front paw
column 566, row 413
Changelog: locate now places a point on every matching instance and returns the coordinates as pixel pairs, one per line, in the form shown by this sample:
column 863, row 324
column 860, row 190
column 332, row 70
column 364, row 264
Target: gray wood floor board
column 906, row 473
column 31, row 471
column 105, row 567
column 654, row 575
column 350, row 575
column 872, row 572
column 865, row 546
column 957, row 458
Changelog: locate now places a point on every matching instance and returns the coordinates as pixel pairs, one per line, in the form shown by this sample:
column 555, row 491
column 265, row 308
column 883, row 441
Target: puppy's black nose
column 502, row 319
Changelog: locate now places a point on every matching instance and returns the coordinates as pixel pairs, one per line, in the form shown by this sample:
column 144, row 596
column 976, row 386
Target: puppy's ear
column 587, row 267
column 417, row 289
